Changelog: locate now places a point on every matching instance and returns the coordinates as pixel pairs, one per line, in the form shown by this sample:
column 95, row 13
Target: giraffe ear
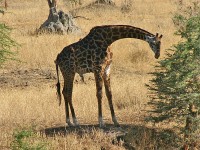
column 156, row 34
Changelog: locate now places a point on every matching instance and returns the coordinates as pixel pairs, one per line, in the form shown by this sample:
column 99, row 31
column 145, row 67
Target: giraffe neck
column 111, row 33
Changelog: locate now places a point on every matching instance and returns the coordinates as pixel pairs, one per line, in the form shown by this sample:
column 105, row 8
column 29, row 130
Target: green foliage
column 26, row 139
column 6, row 44
column 177, row 80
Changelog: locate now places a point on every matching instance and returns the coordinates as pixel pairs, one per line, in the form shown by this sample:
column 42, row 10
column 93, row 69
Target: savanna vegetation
column 6, row 43
column 30, row 117
column 177, row 78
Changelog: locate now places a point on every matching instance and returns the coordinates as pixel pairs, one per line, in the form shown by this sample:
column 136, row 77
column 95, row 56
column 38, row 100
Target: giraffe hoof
column 117, row 125
column 70, row 124
column 101, row 125
column 76, row 124
column 101, row 122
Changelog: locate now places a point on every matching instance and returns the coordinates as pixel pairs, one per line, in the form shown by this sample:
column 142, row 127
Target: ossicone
column 159, row 37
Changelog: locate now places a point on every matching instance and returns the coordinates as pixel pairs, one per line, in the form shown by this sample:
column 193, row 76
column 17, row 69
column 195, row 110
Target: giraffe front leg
column 106, row 79
column 99, row 83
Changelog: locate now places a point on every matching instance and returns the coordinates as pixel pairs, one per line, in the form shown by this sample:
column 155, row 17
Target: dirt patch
column 22, row 78
column 26, row 77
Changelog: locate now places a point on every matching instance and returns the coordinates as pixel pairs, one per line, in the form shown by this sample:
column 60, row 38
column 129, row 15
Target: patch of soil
column 26, row 77
column 22, row 78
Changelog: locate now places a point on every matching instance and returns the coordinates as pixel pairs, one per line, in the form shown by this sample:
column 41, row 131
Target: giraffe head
column 154, row 43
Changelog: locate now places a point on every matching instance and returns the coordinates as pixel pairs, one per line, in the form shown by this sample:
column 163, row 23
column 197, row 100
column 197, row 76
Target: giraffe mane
column 128, row 26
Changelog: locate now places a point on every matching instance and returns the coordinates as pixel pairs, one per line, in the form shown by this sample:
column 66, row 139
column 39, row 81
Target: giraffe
column 92, row 54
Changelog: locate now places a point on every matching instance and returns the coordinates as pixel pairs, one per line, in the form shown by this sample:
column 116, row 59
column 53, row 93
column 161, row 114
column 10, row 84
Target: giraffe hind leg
column 73, row 113
column 66, row 107
column 68, row 88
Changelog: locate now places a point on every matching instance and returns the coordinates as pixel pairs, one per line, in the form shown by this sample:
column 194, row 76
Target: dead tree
column 58, row 21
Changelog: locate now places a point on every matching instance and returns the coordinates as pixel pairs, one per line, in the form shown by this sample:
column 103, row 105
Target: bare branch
column 81, row 17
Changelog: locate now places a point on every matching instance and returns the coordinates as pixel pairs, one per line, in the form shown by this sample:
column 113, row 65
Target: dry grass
column 133, row 60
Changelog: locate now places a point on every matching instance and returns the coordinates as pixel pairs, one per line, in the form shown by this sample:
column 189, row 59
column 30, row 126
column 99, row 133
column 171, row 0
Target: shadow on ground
column 134, row 137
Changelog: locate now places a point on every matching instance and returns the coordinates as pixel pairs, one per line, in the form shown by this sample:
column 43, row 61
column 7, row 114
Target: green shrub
column 176, row 84
column 27, row 139
column 6, row 44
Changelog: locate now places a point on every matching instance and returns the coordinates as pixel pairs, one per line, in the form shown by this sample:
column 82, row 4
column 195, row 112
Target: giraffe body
column 92, row 54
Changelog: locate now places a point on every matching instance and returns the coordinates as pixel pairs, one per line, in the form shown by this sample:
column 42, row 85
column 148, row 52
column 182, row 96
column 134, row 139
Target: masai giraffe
column 91, row 54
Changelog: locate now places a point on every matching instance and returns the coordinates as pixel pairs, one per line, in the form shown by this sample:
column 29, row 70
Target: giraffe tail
column 58, row 85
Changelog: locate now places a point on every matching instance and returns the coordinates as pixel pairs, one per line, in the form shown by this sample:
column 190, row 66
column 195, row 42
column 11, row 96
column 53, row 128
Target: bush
column 27, row 139
column 6, row 44
column 176, row 84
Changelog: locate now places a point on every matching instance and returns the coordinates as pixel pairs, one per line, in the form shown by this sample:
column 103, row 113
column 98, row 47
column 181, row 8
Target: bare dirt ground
column 22, row 78
column 26, row 77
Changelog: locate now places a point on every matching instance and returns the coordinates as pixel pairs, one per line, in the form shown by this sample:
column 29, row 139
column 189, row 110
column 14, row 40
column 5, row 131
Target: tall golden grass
column 133, row 60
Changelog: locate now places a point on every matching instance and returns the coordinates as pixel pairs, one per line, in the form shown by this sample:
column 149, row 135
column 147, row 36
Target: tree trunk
column 6, row 4
column 58, row 22
column 190, row 140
